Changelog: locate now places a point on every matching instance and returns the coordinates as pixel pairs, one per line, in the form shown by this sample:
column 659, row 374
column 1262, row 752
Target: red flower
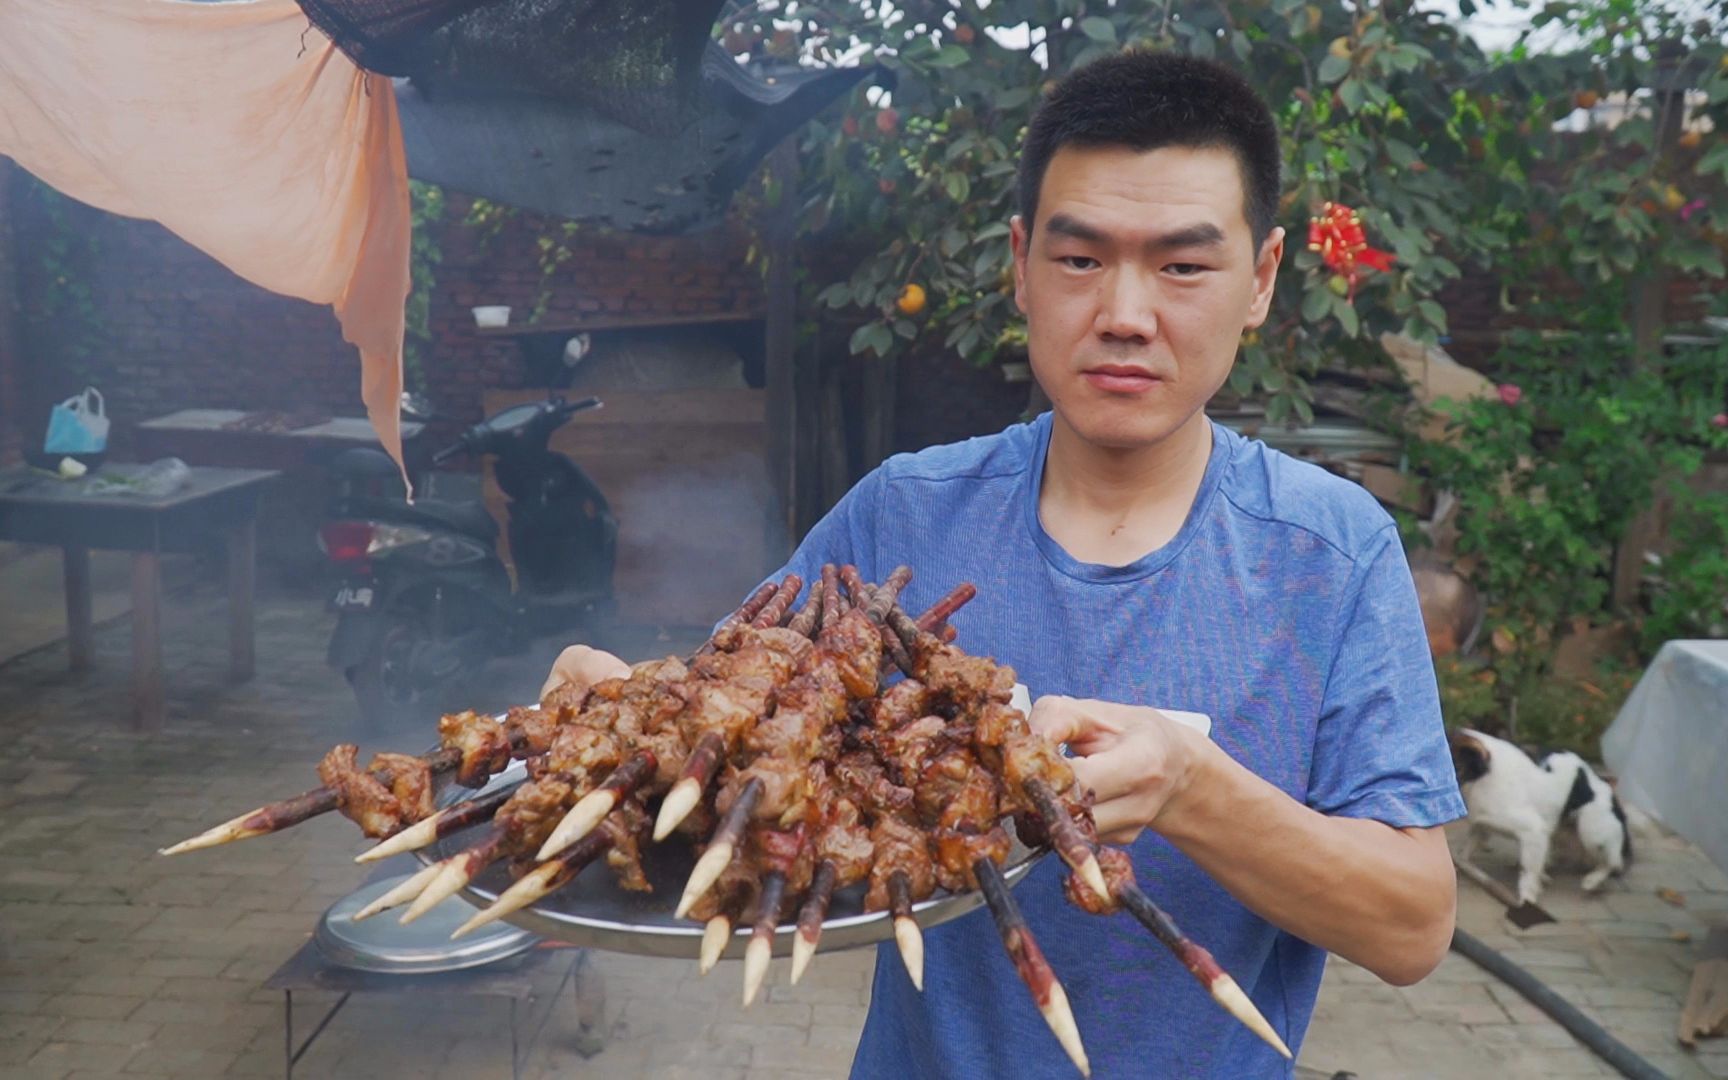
column 1720, row 420
column 1510, row 394
column 1337, row 235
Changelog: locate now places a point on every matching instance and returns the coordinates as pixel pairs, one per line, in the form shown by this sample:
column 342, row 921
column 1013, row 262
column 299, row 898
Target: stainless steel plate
column 420, row 948
column 594, row 912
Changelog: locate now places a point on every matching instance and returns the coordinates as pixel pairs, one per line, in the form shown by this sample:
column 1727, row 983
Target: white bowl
column 492, row 316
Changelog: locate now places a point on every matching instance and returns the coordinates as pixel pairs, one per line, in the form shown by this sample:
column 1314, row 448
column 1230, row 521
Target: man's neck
column 1112, row 506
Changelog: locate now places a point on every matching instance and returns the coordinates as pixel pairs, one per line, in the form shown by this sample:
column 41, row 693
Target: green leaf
column 1350, row 90
column 990, row 232
column 1434, row 313
column 1402, row 154
column 861, row 338
column 1333, row 68
column 1347, row 317
column 1013, row 97
column 950, row 56
column 1715, row 161
column 1099, row 29
column 958, row 187
column 1316, row 302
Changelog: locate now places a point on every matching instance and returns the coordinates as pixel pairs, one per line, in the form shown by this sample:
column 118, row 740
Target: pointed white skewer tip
column 1060, row 1016
column 1093, row 875
column 588, row 812
column 714, row 937
column 756, row 956
column 682, row 799
column 448, row 883
column 706, row 872
column 414, row 837
column 911, row 941
column 1236, row 1003
column 224, row 833
column 407, row 890
column 802, row 950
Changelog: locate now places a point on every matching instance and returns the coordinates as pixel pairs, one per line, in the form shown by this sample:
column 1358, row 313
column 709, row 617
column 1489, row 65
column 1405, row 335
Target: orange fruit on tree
column 1691, row 139
column 911, row 300
column 1586, row 99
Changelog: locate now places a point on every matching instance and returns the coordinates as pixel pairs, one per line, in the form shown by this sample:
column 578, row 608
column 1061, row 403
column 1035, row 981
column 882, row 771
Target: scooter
column 425, row 600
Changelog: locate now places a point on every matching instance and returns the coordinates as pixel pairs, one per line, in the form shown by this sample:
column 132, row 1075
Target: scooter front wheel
column 405, row 679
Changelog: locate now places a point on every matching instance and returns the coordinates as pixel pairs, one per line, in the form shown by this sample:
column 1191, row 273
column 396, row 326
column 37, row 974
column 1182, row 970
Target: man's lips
column 1120, row 378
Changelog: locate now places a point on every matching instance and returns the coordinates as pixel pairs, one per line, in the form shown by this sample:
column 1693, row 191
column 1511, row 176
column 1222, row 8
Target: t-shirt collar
column 1223, row 448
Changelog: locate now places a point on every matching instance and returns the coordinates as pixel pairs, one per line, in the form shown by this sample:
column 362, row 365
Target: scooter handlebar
column 449, row 452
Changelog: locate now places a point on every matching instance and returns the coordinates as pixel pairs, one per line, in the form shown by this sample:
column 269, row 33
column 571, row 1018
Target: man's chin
column 1120, row 430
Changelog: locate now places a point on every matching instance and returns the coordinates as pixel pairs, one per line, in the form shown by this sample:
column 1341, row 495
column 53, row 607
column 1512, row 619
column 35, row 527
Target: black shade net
column 638, row 62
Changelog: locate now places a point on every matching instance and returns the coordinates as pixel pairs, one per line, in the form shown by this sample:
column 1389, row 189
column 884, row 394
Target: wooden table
column 199, row 435
column 35, row 509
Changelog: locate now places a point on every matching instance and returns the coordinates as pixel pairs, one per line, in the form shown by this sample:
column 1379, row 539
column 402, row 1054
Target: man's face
column 1138, row 282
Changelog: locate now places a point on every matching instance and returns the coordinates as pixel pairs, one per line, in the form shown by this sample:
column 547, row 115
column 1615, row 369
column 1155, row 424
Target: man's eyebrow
column 1204, row 234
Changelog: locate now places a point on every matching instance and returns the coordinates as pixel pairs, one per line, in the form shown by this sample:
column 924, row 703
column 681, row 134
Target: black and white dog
column 1508, row 792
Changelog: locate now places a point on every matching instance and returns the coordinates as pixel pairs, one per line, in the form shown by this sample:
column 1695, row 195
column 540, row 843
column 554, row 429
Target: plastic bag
column 78, row 425
column 164, row 476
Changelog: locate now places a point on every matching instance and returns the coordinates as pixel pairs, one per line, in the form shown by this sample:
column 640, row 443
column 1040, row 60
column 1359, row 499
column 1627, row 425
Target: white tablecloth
column 1669, row 745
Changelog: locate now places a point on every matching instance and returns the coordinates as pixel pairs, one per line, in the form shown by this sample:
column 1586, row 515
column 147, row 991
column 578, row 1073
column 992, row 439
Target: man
column 1131, row 556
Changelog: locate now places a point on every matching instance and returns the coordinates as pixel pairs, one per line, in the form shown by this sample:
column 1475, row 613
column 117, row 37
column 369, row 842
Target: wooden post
column 12, row 422
column 242, row 575
column 778, row 225
column 807, row 397
column 1649, row 321
column 147, row 695
column 80, row 634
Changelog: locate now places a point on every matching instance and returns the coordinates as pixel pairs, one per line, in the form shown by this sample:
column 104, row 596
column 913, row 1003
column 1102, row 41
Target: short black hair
column 1145, row 99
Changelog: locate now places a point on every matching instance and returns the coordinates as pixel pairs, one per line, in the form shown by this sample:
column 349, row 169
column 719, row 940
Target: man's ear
column 1265, row 277
column 1020, row 239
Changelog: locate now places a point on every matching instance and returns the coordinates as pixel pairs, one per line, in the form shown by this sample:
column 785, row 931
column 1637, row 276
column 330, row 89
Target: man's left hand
column 1135, row 760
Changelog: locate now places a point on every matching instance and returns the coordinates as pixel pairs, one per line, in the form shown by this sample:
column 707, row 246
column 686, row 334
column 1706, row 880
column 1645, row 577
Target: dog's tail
column 1625, row 829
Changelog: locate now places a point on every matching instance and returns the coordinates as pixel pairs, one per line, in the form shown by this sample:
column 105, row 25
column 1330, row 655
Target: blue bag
column 78, row 425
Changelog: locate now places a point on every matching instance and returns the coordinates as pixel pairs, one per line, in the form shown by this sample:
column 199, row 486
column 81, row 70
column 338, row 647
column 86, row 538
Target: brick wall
column 178, row 330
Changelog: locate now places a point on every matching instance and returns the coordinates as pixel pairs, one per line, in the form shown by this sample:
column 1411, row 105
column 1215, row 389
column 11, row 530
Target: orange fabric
column 241, row 128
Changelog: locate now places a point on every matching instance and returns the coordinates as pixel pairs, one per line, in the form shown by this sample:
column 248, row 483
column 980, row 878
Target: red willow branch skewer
column 592, row 808
column 1199, row 962
column 276, row 816
column 406, row 890
column 714, row 860
column 451, row 819
column 1047, row 993
column 745, row 614
column 706, row 756
column 1065, row 836
column 761, row 947
column 543, row 880
column 907, row 934
column 810, row 918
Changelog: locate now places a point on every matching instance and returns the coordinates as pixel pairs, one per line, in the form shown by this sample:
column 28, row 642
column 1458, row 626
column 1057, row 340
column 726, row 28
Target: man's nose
column 1127, row 308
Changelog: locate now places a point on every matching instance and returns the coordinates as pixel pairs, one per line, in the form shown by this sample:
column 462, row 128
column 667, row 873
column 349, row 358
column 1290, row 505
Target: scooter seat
column 469, row 518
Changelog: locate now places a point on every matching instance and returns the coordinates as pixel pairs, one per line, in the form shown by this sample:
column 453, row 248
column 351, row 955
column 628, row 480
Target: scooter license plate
column 352, row 598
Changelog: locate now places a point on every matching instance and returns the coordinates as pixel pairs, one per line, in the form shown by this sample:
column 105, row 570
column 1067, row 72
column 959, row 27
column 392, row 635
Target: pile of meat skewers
column 785, row 751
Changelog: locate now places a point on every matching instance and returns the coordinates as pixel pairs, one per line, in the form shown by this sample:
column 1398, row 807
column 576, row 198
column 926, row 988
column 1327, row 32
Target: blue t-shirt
column 1283, row 609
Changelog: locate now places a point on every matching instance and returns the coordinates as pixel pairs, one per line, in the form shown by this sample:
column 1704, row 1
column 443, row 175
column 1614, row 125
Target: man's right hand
column 582, row 667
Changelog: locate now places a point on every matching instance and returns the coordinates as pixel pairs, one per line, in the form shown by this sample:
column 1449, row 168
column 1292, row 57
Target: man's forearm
column 1378, row 896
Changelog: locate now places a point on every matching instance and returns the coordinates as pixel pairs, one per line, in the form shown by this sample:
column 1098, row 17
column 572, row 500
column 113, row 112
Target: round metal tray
column 593, row 912
column 420, row 948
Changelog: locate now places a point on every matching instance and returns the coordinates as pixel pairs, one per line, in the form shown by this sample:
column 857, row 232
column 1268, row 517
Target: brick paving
column 117, row 963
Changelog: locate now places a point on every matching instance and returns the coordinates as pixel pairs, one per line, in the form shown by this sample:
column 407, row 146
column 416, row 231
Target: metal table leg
column 290, row 1054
